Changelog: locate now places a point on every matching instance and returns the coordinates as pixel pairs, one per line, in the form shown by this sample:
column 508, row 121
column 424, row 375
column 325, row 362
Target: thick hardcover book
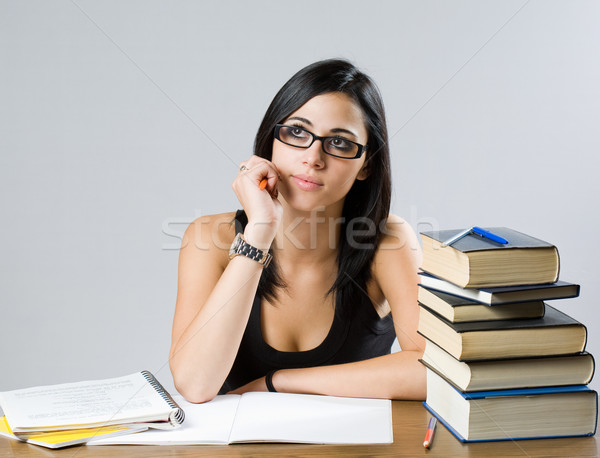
column 503, row 294
column 505, row 374
column 459, row 309
column 474, row 261
column 555, row 333
column 513, row 414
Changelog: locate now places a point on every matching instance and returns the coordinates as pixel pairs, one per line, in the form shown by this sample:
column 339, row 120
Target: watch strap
column 240, row 247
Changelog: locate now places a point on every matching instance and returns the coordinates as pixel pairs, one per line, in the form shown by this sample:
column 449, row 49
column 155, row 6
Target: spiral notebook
column 133, row 400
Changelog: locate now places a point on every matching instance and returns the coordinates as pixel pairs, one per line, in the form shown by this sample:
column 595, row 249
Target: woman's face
column 311, row 179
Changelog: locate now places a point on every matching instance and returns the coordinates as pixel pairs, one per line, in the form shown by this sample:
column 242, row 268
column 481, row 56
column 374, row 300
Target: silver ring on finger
column 243, row 167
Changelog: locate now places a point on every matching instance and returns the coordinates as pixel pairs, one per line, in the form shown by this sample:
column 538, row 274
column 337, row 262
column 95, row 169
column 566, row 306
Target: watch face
column 235, row 245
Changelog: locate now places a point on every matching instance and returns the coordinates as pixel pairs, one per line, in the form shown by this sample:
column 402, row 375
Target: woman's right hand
column 262, row 208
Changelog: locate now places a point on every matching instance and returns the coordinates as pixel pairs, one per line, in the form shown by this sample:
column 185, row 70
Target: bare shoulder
column 210, row 235
column 398, row 235
column 218, row 228
column 399, row 248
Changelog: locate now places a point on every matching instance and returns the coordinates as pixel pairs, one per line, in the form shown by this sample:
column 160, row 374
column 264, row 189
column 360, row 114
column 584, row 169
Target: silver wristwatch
column 241, row 247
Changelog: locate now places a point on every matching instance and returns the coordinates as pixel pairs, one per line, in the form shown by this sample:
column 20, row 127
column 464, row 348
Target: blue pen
column 489, row 235
column 475, row 230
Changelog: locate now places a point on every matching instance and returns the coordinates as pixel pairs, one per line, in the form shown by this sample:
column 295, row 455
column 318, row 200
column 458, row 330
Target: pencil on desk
column 429, row 434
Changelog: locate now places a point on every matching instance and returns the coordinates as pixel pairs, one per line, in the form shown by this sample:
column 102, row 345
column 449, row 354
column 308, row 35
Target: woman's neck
column 309, row 237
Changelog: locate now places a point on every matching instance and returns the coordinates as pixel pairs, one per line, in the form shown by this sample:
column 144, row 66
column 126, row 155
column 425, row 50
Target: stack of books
column 501, row 363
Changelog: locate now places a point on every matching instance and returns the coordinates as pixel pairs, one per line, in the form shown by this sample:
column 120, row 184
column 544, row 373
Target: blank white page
column 208, row 423
column 302, row 418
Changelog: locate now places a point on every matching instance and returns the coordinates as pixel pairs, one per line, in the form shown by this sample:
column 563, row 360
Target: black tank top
column 357, row 333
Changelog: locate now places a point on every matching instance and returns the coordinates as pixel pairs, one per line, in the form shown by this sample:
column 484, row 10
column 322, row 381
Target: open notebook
column 273, row 417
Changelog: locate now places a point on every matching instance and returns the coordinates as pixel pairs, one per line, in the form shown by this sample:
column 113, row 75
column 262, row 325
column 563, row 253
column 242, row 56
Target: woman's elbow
column 195, row 392
column 192, row 389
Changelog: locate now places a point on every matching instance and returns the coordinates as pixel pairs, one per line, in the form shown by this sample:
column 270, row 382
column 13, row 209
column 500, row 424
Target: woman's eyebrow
column 337, row 130
column 297, row 118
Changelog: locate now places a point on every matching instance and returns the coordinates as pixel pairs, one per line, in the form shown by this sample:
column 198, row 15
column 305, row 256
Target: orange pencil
column 263, row 184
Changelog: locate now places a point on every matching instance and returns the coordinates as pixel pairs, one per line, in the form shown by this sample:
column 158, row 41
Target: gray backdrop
column 120, row 121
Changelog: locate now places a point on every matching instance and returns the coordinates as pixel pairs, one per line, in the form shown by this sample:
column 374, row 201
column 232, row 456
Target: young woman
column 321, row 315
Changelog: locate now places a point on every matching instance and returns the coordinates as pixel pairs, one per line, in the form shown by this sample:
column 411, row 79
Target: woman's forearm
column 395, row 376
column 204, row 353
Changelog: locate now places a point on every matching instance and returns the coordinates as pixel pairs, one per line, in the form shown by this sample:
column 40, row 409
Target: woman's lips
column 306, row 183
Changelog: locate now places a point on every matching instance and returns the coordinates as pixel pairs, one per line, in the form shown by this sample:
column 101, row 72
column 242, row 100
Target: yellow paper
column 56, row 439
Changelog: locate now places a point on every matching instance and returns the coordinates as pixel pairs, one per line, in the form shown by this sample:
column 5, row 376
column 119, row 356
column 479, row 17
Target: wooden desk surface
column 410, row 421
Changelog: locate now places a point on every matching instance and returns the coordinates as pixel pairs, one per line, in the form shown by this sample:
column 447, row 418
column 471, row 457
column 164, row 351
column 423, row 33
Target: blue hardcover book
column 534, row 413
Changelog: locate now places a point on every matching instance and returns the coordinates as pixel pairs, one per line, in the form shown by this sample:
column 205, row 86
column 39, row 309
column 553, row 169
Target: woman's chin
column 306, row 204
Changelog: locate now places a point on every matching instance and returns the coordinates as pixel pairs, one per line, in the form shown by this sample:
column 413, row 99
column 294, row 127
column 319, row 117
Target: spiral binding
column 179, row 414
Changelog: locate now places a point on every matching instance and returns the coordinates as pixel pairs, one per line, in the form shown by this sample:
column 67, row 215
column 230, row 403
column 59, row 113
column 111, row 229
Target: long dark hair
column 367, row 204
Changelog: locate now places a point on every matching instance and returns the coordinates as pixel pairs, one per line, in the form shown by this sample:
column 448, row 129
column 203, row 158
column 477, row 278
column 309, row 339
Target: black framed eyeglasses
column 334, row 146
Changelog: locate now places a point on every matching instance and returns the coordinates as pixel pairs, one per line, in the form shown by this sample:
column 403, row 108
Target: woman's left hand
column 256, row 385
